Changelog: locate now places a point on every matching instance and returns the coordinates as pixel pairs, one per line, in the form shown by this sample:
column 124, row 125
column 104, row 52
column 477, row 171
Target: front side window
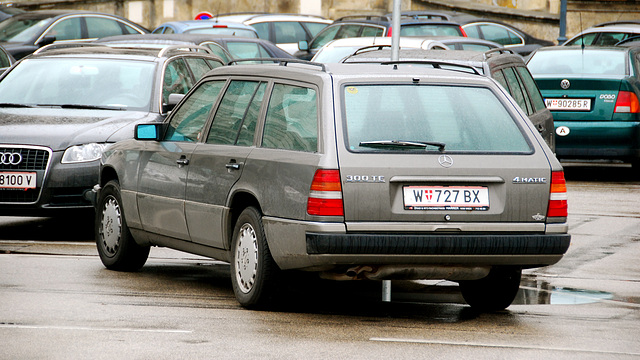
column 289, row 32
column 176, row 80
column 246, row 50
column 372, row 31
column 68, row 29
column 314, row 27
column 292, row 119
column 409, row 118
column 238, row 111
column 501, row 35
column 188, row 120
column 323, row 37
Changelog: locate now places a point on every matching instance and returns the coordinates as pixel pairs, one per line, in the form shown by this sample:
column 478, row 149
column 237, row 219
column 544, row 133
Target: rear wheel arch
column 239, row 201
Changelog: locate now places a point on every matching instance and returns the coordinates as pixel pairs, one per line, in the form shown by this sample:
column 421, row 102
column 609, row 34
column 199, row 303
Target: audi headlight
column 83, row 153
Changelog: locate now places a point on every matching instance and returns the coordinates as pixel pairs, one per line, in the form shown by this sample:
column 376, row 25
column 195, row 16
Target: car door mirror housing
column 148, row 132
column 303, row 45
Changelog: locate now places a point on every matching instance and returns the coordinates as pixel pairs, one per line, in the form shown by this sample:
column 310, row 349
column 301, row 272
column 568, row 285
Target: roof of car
column 195, row 24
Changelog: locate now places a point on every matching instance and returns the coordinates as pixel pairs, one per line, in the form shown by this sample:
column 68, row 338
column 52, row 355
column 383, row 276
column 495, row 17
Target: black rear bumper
column 437, row 244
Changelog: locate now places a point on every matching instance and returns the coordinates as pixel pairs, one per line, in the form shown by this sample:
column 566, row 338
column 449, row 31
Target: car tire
column 116, row 246
column 253, row 270
column 494, row 292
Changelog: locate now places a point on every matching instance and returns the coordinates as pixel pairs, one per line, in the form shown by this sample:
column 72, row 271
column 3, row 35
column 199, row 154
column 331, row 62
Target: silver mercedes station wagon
column 351, row 171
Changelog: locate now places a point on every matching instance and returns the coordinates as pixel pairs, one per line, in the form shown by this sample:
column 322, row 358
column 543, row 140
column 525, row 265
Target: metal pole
column 395, row 26
column 562, row 37
column 395, row 55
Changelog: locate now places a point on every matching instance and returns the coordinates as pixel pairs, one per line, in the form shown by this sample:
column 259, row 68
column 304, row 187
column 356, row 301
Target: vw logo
column 445, row 161
column 565, row 84
column 10, row 158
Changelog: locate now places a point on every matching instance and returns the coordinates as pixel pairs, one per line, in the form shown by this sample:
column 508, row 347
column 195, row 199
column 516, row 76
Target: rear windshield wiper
column 81, row 106
column 16, row 105
column 402, row 143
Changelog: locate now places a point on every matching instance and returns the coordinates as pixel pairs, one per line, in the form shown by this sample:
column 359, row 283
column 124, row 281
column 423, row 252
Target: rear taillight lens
column 627, row 102
column 464, row 33
column 389, row 32
column 558, row 198
column 325, row 197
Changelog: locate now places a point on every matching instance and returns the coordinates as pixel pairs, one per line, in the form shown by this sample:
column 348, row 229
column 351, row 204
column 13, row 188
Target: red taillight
column 325, row 197
column 627, row 102
column 220, row 26
column 558, row 197
column 464, row 33
column 389, row 32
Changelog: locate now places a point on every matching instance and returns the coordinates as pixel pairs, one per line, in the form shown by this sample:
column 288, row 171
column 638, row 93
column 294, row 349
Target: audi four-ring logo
column 8, row 158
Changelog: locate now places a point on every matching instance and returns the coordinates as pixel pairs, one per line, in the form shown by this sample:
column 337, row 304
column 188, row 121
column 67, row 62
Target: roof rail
column 181, row 48
column 280, row 61
column 64, row 45
column 370, row 48
column 487, row 54
column 434, row 63
column 364, row 17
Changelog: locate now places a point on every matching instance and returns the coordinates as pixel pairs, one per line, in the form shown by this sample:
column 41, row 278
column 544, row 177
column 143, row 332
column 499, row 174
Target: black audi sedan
column 60, row 108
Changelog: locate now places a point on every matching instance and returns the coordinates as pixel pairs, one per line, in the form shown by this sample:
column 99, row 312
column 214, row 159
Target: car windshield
column 22, row 29
column 223, row 31
column 82, row 83
column 429, row 118
column 578, row 61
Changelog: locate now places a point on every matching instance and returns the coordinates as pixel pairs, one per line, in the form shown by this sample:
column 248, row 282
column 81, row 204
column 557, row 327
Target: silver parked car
column 353, row 172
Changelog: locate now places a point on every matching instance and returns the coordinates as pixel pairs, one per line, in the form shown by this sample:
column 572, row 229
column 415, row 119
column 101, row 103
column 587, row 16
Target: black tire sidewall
column 129, row 256
column 260, row 293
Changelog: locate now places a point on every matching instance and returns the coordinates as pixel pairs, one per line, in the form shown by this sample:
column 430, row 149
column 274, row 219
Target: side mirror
column 303, row 45
column 148, row 132
column 173, row 100
column 46, row 40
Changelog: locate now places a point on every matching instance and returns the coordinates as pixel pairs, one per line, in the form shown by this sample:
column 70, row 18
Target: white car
column 281, row 29
column 336, row 50
column 606, row 34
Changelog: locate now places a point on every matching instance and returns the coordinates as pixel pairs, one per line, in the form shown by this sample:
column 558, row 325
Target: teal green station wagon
column 592, row 93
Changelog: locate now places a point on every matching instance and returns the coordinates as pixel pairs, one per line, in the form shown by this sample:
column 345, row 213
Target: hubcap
column 246, row 258
column 110, row 226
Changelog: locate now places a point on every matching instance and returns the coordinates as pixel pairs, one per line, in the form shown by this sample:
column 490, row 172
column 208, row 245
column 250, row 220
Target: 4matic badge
column 529, row 180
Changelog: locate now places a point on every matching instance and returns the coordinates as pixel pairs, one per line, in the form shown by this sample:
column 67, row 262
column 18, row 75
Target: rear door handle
column 233, row 165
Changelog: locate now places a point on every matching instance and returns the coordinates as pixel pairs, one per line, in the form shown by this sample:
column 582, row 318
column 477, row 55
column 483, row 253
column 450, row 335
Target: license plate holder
column 568, row 104
column 10, row 180
column 450, row 198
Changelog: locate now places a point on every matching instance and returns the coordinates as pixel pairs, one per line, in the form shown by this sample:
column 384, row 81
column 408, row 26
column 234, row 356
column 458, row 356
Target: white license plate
column 17, row 180
column 568, row 104
column 446, row 198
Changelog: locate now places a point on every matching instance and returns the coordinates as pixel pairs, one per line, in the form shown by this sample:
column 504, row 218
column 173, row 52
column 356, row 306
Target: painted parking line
column 85, row 328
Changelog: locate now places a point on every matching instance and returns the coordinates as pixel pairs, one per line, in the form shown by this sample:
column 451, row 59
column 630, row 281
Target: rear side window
column 198, row 66
column 98, row 27
column 238, row 110
column 372, row 31
column 509, row 80
column 429, row 30
column 469, row 119
column 532, row 88
column 292, row 119
column 187, row 122
column 247, row 50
